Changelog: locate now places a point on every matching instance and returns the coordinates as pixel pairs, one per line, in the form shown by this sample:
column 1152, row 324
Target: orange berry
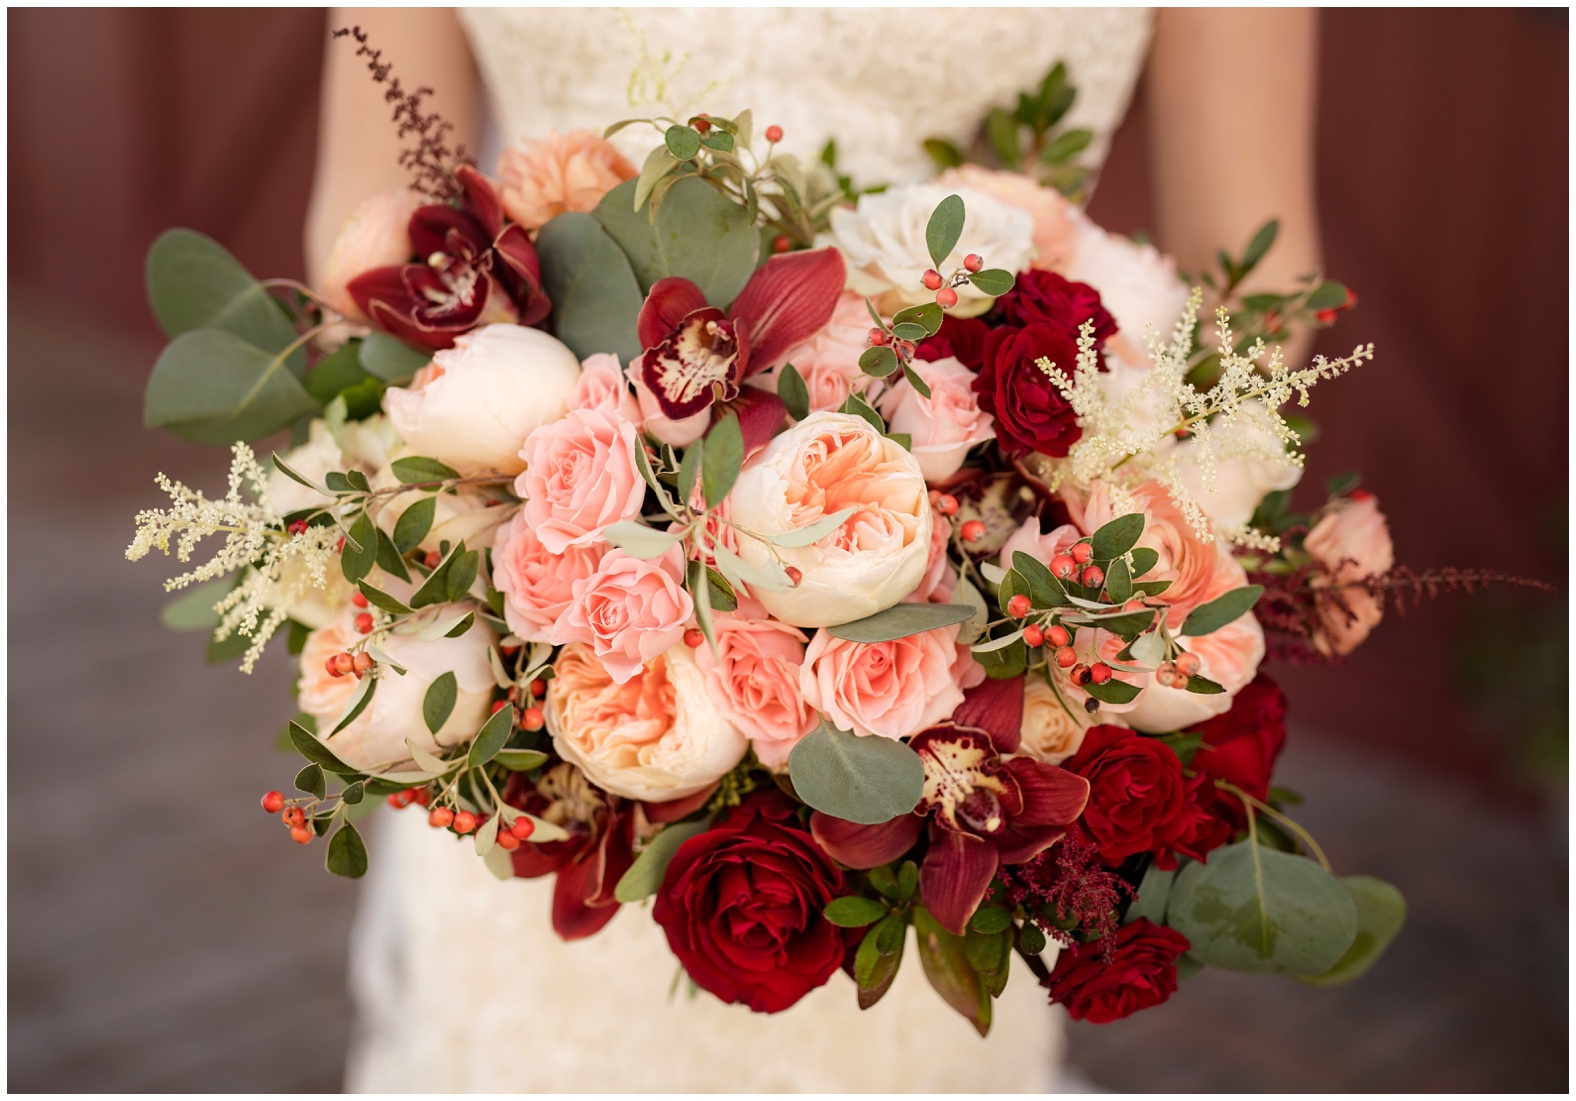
column 395, row 799
column 1187, row 664
column 1064, row 567
column 421, row 797
column 344, row 663
column 359, row 599
column 440, row 817
column 1133, row 605
column 522, row 827
column 364, row 623
column 694, row 637
column 1058, row 635
column 781, row 244
column 1100, row 672
column 946, row 298
column 432, row 560
column 794, row 574
column 702, row 123
column 1033, row 637
column 532, row 719
column 973, row 531
column 293, row 816
column 464, row 822
column 931, row 279
column 1081, row 552
column 1018, row 606
column 1081, row 675
column 1093, row 577
column 499, row 705
column 774, row 134
column 507, row 841
column 947, row 504
column 972, row 262
column 300, row 835
column 539, row 686
column 273, row 802
column 362, row 663
column 1066, row 657
column 333, row 669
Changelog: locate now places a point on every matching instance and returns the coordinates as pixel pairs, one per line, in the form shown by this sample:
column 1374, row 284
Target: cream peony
column 1053, row 224
column 886, row 689
column 377, row 235
column 657, row 737
column 942, row 427
column 1352, row 541
column 549, row 176
column 475, row 404
column 883, row 240
column 361, row 445
column 822, row 465
column 1137, row 283
column 375, row 741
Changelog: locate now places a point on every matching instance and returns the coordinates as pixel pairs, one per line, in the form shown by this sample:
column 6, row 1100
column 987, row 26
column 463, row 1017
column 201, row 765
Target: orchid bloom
column 473, row 268
column 984, row 811
column 697, row 354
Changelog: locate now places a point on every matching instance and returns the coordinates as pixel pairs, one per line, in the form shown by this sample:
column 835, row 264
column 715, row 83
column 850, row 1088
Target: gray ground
column 164, row 935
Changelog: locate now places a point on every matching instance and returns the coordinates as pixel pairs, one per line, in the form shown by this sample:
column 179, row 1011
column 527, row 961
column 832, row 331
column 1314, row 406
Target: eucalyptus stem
column 1250, row 803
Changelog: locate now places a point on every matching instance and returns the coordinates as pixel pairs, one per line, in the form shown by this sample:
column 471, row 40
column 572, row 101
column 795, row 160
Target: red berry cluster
column 343, row 664
column 946, row 289
column 292, row 816
column 399, row 800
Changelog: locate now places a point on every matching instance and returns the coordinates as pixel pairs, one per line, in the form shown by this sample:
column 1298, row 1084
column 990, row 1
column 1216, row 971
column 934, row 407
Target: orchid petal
column 481, row 199
column 996, row 707
column 669, row 302
column 1014, row 846
column 574, row 918
column 521, row 274
column 857, row 846
column 955, row 876
column 760, row 414
column 677, row 808
column 1052, row 796
column 788, row 300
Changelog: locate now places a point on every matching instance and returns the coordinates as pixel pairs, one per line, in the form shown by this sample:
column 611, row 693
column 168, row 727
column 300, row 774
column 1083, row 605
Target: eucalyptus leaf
column 596, row 297
column 866, row 780
column 724, row 459
column 1154, row 891
column 1381, row 911
column 682, row 141
column 391, row 359
column 194, row 283
column 644, row 877
column 1224, row 609
column 900, row 621
column 438, row 704
column 698, row 233
column 639, row 540
column 211, row 387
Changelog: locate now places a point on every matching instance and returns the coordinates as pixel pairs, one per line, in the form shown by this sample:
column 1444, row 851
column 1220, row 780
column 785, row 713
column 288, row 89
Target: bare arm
column 358, row 146
column 1231, row 107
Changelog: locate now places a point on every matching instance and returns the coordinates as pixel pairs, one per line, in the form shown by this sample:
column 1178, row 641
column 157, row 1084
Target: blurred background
column 162, row 936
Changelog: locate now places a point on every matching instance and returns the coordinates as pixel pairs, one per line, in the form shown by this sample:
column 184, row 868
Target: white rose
column 942, row 427
column 1053, row 730
column 822, row 465
column 1137, row 283
column 361, row 445
column 883, row 240
column 1242, row 474
column 475, row 404
column 656, row 738
column 375, row 741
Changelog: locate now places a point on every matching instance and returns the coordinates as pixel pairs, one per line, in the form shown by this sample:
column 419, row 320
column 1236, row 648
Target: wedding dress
column 460, row 982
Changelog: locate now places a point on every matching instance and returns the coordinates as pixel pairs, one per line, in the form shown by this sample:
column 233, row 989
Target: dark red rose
column 1142, row 972
column 1045, row 298
column 1136, row 792
column 1206, row 823
column 1031, row 413
column 741, row 905
column 1240, row 746
column 962, row 338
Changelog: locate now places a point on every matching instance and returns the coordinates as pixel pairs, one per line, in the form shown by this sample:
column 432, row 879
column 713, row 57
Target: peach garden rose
column 1352, row 541
column 580, row 476
column 628, row 611
column 546, row 177
column 886, row 689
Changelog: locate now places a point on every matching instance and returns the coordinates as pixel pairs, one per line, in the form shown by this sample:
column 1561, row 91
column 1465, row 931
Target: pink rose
column 1053, row 227
column 602, row 386
column 829, row 361
column 376, row 236
column 537, row 585
column 580, row 476
column 940, row 578
column 555, row 174
column 754, row 680
column 888, row 689
column 628, row 611
column 1041, row 548
column 655, row 737
column 1352, row 541
column 942, row 427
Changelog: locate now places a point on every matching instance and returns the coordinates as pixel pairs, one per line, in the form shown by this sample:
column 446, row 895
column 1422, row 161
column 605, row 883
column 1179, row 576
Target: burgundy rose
column 1136, row 792
column 962, row 338
column 741, row 905
column 1204, row 827
column 1141, row 973
column 1031, row 413
column 1045, row 298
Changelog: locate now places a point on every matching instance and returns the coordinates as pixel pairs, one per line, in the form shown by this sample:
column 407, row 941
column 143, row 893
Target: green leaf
column 660, row 163
column 438, row 704
column 1117, row 537
column 720, row 140
column 1002, row 130
column 682, row 142
column 874, row 969
column 644, row 877
column 414, row 524
column 689, row 469
column 1044, row 591
column 865, row 780
column 947, row 967
column 419, row 470
column 1203, row 686
column 919, row 384
column 989, row 952
column 347, row 853
column 1381, row 911
column 435, row 590
column 1118, row 581
column 1224, row 609
column 992, row 281
column 900, row 621
column 1153, row 894
column 391, row 359
column 791, row 388
column 1031, row 938
column 193, row 609
column 340, row 373
column 211, row 387
column 310, row 780
column 361, row 549
column 640, row 540
column 909, row 330
column 521, row 760
column 698, row 233
column 1144, row 560
column 944, row 229
column 907, row 879
column 490, row 738
column 358, row 481
column 194, row 283
column 878, row 362
column 1127, row 625
column 1065, row 146
column 308, row 746
column 1006, row 662
column 359, row 703
column 859, row 407
column 990, row 919
column 462, row 574
column 381, row 599
column 1327, row 296
column 1112, row 691
column 1252, row 908
column 854, row 911
column 813, row 533
column 926, row 314
column 944, row 153
column 723, row 459
column 592, row 286
column 1262, row 240
column 1339, row 485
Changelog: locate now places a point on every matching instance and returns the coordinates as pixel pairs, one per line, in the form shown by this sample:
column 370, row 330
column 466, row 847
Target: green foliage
column 682, row 141
column 308, row 746
column 944, row 153
column 1381, row 911
column 310, row 780
column 791, row 388
column 1154, row 892
column 946, row 963
column 347, row 853
column 877, row 960
column 1224, row 609
column 992, row 281
column 195, row 284
column 193, row 609
column 697, row 233
column 211, row 387
column 1117, row 537
column 492, row 737
column 724, row 458
column 854, row 911
column 644, row 877
column 391, row 359
column 438, row 704
column 414, row 524
column 866, row 780
column 944, row 229
column 595, row 295
column 340, row 374
column 900, row 621
column 419, row 469
column 361, row 549
column 878, row 362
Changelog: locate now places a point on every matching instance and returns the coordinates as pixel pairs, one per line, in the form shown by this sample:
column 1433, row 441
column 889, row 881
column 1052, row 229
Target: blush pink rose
column 602, row 386
column 1053, row 226
column 376, row 236
column 940, row 578
column 829, row 361
column 628, row 611
column 537, row 585
column 549, row 176
column 580, row 476
column 1352, row 541
column 754, row 680
column 886, row 689
column 942, row 427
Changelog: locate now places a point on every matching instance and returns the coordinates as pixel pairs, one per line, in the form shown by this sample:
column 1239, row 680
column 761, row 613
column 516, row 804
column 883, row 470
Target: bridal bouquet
column 811, row 562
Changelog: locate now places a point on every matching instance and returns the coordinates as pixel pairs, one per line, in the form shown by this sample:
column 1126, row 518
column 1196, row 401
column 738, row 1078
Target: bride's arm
column 358, row 147
column 1231, row 109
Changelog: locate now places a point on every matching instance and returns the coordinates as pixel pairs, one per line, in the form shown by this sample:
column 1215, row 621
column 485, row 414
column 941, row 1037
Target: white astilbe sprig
column 1128, row 433
column 281, row 568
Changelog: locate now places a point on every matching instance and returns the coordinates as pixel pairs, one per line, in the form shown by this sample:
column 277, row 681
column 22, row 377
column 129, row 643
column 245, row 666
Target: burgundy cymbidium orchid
column 697, row 354
column 473, row 269
column 983, row 811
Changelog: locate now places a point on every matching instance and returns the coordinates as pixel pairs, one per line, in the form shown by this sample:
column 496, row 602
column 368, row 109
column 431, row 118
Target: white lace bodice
column 460, row 982
column 878, row 80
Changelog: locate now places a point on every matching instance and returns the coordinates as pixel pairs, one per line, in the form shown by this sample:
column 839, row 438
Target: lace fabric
column 460, row 983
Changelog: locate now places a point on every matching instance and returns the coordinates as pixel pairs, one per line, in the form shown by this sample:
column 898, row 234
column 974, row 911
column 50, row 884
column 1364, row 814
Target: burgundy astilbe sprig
column 1071, row 881
column 431, row 161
